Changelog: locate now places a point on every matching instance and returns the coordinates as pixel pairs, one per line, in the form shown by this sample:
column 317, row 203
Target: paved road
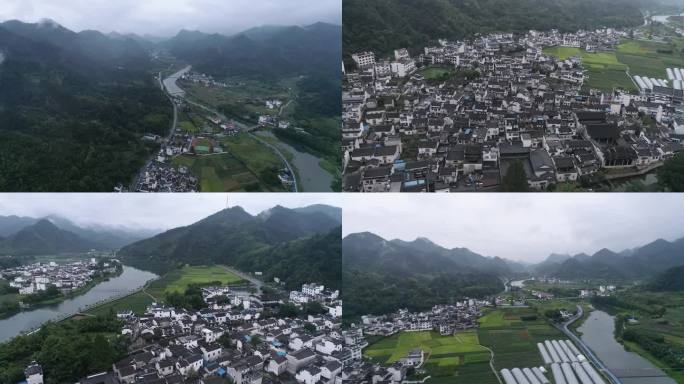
column 587, row 351
column 282, row 157
column 245, row 276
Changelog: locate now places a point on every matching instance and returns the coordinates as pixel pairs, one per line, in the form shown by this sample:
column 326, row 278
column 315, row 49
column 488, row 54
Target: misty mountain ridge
column 420, row 256
column 647, row 260
column 380, row 275
column 43, row 237
column 95, row 236
column 261, row 51
column 424, row 256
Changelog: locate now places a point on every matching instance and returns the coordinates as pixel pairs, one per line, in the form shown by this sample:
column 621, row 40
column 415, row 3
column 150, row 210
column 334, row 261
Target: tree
column 553, row 314
column 310, row 327
column 288, row 310
column 671, row 174
column 255, row 340
column 314, row 308
column 515, row 179
column 225, row 340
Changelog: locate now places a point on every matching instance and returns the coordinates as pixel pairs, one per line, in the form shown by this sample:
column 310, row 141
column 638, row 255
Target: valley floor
column 175, row 281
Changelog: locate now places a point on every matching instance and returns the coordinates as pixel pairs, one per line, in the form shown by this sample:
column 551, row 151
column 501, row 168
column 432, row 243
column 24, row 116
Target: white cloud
column 166, row 17
column 520, row 226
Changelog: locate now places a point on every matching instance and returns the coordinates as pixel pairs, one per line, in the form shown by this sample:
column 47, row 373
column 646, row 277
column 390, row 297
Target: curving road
column 282, row 157
column 245, row 276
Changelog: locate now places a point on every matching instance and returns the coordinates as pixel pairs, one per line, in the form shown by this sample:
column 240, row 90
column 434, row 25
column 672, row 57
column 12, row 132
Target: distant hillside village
column 232, row 340
column 481, row 106
column 34, row 278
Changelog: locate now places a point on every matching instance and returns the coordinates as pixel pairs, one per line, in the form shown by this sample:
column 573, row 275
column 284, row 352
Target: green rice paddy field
column 607, row 70
column 242, row 168
column 514, row 340
column 174, row 281
column 178, row 280
column 449, row 359
column 511, row 333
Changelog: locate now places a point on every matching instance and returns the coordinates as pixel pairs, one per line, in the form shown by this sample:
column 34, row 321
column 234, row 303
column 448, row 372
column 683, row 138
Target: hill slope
column 380, row 276
column 639, row 263
column 280, row 242
column 44, row 237
column 68, row 121
column 670, row 280
column 265, row 52
column 385, row 25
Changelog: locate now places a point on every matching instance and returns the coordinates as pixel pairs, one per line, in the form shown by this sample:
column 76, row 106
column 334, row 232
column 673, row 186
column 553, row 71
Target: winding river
column 170, row 83
column 130, row 279
column 312, row 176
column 629, row 367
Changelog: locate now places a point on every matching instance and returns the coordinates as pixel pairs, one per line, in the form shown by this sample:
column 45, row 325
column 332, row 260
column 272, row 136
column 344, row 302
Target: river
column 597, row 333
column 129, row 280
column 663, row 18
column 170, row 83
column 313, row 178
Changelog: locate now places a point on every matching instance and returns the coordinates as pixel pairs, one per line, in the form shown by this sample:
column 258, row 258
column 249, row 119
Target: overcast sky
column 525, row 227
column 151, row 211
column 167, row 17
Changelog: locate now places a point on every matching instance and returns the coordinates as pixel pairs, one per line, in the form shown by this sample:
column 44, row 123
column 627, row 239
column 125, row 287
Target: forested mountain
column 266, row 52
column 9, row 225
column 108, row 51
column 380, row 276
column 421, row 256
column 72, row 119
column 105, row 237
column 385, row 25
column 279, row 242
column 671, row 280
column 333, row 212
column 638, row 263
column 42, row 238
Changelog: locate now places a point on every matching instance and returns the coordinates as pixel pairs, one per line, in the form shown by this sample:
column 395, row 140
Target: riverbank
column 130, row 280
column 655, row 331
column 62, row 297
column 598, row 333
column 312, row 176
column 173, row 281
